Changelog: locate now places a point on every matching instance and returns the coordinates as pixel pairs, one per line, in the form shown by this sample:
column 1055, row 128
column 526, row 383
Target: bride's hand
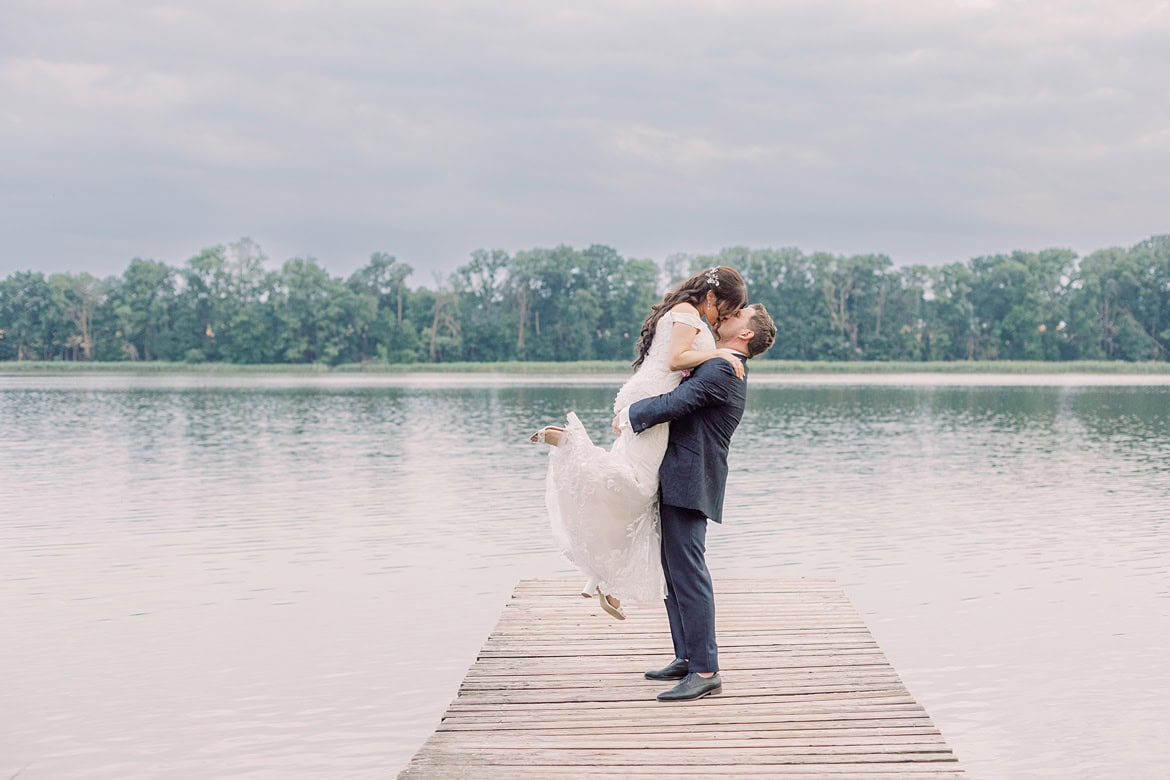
column 732, row 357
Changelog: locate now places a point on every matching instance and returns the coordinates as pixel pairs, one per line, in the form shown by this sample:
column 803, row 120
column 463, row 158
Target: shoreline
column 582, row 374
column 598, row 367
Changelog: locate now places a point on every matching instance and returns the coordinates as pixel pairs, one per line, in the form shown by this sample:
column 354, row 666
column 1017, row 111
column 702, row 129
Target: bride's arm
column 682, row 341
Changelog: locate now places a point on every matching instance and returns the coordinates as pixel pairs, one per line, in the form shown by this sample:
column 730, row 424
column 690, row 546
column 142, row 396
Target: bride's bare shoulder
column 682, row 307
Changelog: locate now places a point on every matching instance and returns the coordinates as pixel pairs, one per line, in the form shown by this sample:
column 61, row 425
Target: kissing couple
column 633, row 518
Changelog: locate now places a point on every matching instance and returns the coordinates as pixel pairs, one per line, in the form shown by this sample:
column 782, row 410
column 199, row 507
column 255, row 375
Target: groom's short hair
column 765, row 330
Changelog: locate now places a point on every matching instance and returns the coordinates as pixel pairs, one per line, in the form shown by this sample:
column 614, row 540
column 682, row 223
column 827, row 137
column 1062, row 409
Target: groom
column 703, row 412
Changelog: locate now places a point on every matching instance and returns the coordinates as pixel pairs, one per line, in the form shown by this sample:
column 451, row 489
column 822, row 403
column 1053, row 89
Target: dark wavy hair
column 730, row 297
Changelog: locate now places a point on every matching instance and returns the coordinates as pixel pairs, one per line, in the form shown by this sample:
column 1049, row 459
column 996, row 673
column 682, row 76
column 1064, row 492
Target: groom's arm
column 711, row 384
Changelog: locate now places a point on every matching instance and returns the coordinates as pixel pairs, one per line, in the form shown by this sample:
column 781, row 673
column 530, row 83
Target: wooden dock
column 558, row 692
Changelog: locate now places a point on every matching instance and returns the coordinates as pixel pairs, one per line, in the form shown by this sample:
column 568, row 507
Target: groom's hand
column 621, row 420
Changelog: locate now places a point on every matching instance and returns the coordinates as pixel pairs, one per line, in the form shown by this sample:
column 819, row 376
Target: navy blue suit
column 703, row 413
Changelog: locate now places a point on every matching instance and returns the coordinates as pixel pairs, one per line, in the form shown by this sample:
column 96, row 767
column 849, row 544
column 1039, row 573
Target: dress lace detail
column 603, row 504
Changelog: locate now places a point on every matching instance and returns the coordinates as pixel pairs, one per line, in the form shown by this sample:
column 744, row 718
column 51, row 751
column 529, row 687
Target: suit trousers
column 690, row 599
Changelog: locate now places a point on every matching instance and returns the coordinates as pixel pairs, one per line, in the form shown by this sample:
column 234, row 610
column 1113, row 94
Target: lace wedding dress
column 603, row 504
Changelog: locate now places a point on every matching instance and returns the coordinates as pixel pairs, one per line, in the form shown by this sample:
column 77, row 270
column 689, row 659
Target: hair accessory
column 713, row 277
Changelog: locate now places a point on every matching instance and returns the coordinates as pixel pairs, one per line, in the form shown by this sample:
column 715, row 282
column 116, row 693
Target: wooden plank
column 709, row 716
column 557, row 692
column 690, row 753
column 764, row 678
column 649, row 732
column 814, row 702
column 841, row 771
column 634, row 666
column 690, row 756
column 528, row 741
column 805, row 722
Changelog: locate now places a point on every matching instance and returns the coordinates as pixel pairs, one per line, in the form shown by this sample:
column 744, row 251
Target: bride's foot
column 549, row 434
column 611, row 605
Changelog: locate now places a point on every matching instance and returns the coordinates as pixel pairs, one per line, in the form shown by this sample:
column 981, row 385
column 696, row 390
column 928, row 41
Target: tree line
column 225, row 304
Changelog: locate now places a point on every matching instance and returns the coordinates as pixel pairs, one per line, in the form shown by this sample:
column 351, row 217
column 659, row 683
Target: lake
column 282, row 576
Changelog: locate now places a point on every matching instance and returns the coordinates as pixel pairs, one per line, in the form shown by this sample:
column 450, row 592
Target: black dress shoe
column 675, row 670
column 693, row 687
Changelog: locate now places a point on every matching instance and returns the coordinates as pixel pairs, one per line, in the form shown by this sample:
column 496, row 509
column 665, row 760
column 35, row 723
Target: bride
column 603, row 504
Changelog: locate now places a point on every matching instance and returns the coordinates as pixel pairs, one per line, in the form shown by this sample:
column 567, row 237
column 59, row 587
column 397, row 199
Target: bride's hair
column 730, row 297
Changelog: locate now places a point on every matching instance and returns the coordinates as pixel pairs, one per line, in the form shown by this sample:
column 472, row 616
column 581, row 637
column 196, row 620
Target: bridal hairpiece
column 713, row 277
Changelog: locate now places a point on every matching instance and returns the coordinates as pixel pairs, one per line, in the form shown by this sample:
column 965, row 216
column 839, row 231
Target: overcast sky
column 929, row 130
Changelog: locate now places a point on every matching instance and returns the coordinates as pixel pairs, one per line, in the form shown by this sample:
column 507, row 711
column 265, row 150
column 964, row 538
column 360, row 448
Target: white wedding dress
column 603, row 504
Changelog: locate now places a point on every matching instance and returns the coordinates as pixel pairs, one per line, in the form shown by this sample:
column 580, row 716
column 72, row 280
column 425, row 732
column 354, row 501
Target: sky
column 929, row 130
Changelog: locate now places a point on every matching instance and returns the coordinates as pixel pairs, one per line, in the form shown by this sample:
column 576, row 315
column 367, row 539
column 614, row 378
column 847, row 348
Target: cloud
column 930, row 131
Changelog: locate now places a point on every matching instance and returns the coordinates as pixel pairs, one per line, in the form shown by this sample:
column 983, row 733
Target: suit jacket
column 703, row 412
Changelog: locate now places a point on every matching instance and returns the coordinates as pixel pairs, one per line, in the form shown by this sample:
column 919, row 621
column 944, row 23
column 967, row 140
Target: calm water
column 275, row 577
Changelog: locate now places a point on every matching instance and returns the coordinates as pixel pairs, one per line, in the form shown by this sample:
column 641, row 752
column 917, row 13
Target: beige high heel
column 540, row 436
column 617, row 612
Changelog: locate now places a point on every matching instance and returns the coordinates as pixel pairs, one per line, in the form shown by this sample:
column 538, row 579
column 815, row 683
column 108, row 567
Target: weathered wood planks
column 558, row 692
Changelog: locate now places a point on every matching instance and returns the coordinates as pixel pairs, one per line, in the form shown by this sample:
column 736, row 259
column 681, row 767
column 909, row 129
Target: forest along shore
column 228, row 304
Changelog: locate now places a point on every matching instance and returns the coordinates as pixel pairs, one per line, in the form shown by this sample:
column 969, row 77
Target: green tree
column 952, row 329
column 250, row 325
column 614, row 296
column 316, row 314
column 204, row 307
column 78, row 298
column 632, row 290
column 224, row 308
column 384, row 330
column 1021, row 302
column 780, row 279
column 143, row 300
column 904, row 334
column 445, row 335
column 29, row 317
column 853, row 291
column 1121, row 304
column 481, row 287
column 559, row 307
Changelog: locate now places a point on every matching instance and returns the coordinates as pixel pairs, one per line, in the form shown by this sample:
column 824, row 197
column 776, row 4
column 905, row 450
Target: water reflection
column 254, row 576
